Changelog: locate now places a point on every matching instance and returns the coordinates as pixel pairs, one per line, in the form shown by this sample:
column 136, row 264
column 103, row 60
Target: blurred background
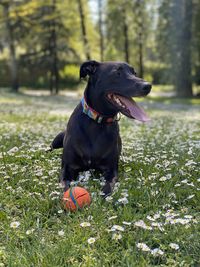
column 43, row 43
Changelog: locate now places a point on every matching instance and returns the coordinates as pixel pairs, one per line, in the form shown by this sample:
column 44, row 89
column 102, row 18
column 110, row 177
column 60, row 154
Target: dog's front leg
column 67, row 176
column 111, row 178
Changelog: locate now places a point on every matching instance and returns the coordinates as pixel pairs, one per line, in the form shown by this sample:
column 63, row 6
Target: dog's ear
column 88, row 68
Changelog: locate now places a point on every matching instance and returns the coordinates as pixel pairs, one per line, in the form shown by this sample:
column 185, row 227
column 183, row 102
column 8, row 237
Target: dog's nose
column 146, row 87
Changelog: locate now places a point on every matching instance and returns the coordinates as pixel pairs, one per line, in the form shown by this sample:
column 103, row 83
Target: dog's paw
column 65, row 185
column 107, row 190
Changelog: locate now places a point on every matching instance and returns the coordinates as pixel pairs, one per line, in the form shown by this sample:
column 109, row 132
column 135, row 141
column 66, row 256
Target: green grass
column 159, row 184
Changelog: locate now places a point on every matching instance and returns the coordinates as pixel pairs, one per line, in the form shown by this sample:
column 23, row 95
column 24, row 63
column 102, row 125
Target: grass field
column 152, row 218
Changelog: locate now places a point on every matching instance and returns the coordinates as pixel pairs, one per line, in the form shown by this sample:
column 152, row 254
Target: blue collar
column 96, row 116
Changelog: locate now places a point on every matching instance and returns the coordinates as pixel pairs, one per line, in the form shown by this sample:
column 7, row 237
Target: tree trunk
column 11, row 46
column 83, row 27
column 55, row 56
column 139, row 7
column 196, row 37
column 183, row 79
column 101, row 30
column 141, row 66
column 54, row 73
column 125, row 33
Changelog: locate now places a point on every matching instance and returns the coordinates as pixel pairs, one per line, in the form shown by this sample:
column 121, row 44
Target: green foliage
column 156, row 72
column 47, row 36
column 70, row 74
column 71, row 71
column 134, row 14
column 46, row 33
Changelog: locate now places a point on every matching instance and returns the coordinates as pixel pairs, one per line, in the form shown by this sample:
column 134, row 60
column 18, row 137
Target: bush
column 37, row 76
column 69, row 75
column 157, row 73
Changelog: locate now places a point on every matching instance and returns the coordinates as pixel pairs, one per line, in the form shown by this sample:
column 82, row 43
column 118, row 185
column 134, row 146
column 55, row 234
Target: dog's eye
column 133, row 71
column 118, row 73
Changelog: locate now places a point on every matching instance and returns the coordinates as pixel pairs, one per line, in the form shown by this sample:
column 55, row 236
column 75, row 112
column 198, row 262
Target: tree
column 118, row 30
column 84, row 32
column 196, row 41
column 182, row 16
column 9, row 26
column 46, row 24
column 183, row 81
column 125, row 30
column 100, row 24
column 174, row 41
column 47, row 37
column 53, row 51
column 141, row 28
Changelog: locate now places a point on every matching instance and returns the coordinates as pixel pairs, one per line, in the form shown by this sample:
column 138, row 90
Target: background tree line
column 43, row 42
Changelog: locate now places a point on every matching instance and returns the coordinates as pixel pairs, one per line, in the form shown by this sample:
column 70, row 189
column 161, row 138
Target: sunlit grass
column 156, row 203
column 174, row 100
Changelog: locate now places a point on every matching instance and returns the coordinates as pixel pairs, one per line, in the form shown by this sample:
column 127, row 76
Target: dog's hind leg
column 58, row 141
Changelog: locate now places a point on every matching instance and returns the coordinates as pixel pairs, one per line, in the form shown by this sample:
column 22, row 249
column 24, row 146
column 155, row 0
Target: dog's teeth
column 118, row 101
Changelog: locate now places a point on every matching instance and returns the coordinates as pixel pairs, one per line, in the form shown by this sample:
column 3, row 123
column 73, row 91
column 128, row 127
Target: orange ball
column 76, row 198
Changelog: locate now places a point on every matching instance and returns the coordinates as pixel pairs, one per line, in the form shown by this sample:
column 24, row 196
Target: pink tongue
column 135, row 111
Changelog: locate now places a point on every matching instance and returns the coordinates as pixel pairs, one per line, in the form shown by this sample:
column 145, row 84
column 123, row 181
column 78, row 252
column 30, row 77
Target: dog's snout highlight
column 146, row 87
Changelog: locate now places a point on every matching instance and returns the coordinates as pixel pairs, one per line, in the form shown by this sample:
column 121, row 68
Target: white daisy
column 28, row 232
column 143, row 247
column 60, row 211
column 13, row 150
column 190, row 197
column 112, row 217
column 163, row 178
column 123, row 200
column 116, row 236
column 126, row 223
column 143, row 225
column 109, row 198
column 117, row 228
column 174, row 246
column 61, row 233
column 15, row 224
column 150, row 218
column 91, row 240
column 156, row 216
column 85, row 224
column 188, row 216
column 157, row 252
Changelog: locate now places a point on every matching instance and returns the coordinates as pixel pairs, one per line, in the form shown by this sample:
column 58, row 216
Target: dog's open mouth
column 128, row 107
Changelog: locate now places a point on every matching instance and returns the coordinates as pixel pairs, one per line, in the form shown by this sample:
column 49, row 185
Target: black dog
column 92, row 140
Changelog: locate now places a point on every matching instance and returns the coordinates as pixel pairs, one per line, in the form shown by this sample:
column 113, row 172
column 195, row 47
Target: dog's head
column 111, row 87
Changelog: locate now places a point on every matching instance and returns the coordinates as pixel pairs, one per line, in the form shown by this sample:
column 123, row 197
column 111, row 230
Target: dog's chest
column 95, row 144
